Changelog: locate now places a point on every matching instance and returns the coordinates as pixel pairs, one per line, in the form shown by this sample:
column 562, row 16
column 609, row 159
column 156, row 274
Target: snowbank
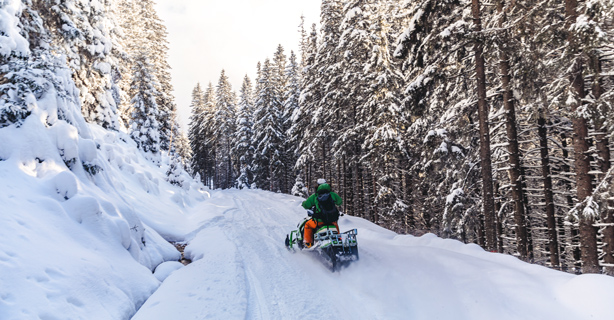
column 85, row 218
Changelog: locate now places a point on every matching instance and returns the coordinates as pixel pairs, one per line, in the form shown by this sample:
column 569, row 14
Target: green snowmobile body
column 337, row 249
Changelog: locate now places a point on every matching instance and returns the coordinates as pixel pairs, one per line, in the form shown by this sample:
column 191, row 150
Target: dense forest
column 489, row 123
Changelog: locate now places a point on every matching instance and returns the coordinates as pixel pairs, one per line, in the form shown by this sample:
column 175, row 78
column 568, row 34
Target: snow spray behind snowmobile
column 337, row 250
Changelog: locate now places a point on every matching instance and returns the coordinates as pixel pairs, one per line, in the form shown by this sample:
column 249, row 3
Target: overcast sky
column 207, row 36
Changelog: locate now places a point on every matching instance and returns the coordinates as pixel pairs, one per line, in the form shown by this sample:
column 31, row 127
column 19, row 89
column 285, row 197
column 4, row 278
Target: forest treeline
column 489, row 123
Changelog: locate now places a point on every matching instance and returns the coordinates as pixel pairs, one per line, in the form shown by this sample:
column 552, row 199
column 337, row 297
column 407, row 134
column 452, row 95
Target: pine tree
column 242, row 141
column 144, row 31
column 144, row 123
column 31, row 72
column 386, row 122
column 303, row 43
column 290, row 107
column 438, row 97
column 195, row 132
column 300, row 132
column 82, row 31
column 17, row 84
column 267, row 136
column 327, row 63
column 224, row 119
column 588, row 233
column 205, row 145
column 280, row 82
column 156, row 41
column 183, row 150
column 299, row 189
column 128, row 23
column 174, row 172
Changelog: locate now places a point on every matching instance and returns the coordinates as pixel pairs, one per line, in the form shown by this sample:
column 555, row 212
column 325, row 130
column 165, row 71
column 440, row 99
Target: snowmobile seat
column 323, row 230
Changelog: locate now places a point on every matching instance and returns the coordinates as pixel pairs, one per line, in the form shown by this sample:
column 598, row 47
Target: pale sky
column 206, row 36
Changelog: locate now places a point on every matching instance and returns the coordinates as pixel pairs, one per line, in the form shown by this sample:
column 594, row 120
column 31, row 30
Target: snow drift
column 81, row 221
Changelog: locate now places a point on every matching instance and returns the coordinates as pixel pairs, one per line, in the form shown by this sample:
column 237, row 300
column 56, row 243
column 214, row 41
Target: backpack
column 328, row 210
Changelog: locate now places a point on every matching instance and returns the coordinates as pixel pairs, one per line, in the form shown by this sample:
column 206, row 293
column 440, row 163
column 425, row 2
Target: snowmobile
column 337, row 250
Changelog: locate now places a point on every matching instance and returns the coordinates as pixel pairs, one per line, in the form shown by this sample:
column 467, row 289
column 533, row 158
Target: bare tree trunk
column 366, row 200
column 480, row 231
column 351, row 196
column 366, row 188
column 512, row 147
column 215, row 173
column 548, row 195
column 338, row 177
column 323, row 163
column 499, row 222
column 229, row 170
column 309, row 179
column 331, row 169
column 603, row 160
column 358, row 193
column 374, row 211
column 575, row 234
column 490, row 228
column 407, row 191
column 588, row 233
column 528, row 217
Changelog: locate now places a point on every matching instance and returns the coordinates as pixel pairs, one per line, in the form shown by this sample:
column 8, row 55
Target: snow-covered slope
column 81, row 217
column 242, row 270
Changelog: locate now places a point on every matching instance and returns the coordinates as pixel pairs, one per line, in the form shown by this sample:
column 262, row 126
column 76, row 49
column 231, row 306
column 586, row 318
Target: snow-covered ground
column 242, row 270
column 76, row 245
column 82, row 246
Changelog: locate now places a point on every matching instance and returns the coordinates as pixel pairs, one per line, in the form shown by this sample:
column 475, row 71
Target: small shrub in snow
column 174, row 173
column 91, row 168
column 299, row 189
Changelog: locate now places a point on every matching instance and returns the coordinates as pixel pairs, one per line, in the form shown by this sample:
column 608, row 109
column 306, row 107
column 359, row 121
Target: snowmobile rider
column 312, row 202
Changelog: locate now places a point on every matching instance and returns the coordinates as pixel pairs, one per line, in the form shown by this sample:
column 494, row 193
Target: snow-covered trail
column 241, row 270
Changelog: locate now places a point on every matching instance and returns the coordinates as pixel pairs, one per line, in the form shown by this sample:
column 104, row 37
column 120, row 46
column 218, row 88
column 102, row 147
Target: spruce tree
column 384, row 144
column 280, row 81
column 242, row 140
column 300, row 132
column 82, row 31
column 31, row 71
column 144, row 124
column 268, row 136
column 195, row 132
column 291, row 106
column 208, row 131
column 224, row 118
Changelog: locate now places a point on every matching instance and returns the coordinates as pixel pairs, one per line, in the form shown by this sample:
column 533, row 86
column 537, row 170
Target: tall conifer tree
column 144, row 123
column 243, row 150
column 224, row 119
